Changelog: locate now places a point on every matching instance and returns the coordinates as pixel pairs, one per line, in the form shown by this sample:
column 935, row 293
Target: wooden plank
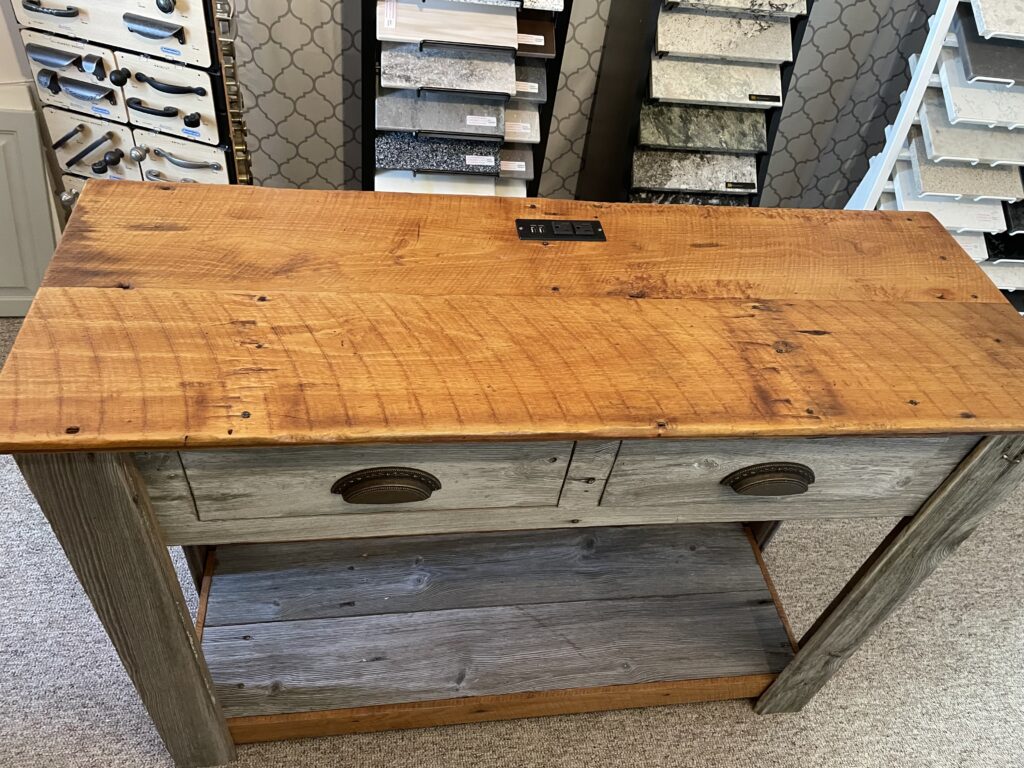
column 591, row 464
column 99, row 511
column 331, row 579
column 890, row 476
column 301, row 666
column 910, row 553
column 143, row 369
column 241, row 238
column 424, row 714
column 296, row 482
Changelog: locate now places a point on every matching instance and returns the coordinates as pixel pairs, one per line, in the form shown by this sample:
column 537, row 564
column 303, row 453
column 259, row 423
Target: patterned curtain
column 846, row 86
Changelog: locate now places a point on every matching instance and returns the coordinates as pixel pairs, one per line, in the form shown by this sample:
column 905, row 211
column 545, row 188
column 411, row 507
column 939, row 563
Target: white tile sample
column 999, row 18
column 771, row 8
column 433, row 183
column 966, row 142
column 955, row 215
column 973, row 243
column 404, row 65
column 416, row 21
column 522, row 122
column 985, row 103
column 543, row 5
column 716, row 83
column 510, row 187
column 694, row 172
column 504, row 3
column 702, row 35
column 962, row 180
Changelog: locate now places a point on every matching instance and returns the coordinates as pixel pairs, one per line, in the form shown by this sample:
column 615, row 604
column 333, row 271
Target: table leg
column 907, row 556
column 99, row 510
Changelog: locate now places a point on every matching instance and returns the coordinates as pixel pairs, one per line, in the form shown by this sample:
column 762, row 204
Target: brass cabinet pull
column 386, row 485
column 773, row 478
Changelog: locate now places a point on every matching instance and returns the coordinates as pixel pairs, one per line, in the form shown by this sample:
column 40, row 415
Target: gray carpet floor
column 940, row 684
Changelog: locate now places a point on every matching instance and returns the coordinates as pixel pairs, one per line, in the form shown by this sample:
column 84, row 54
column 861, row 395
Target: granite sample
column 531, row 81
column 701, row 35
column 962, row 180
column 536, row 38
column 973, row 243
column 543, row 5
column 1003, row 247
column 438, row 112
column 770, row 8
column 966, row 142
column 404, row 65
column 714, row 83
column 516, row 163
column 444, row 21
column 995, row 60
column 1000, row 18
column 694, row 172
column 406, row 152
column 708, row 129
column 985, row 103
column 1014, row 213
column 956, row 215
column 522, row 122
column 686, row 198
column 433, row 183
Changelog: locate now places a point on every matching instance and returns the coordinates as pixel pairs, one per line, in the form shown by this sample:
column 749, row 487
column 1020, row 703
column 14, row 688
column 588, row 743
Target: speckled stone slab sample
column 405, row 152
column 414, row 21
column 516, row 163
column 686, row 198
column 957, row 215
column 403, row 65
column 531, row 81
column 770, row 8
column 1005, row 247
column 439, row 112
column 702, row 35
column 973, row 182
column 985, row 103
column 973, row 243
column 708, row 129
column 966, row 141
column 694, row 172
column 996, row 60
column 536, row 38
column 716, row 83
column 543, row 5
column 505, row 3
column 1000, row 18
column 522, row 122
column 433, row 183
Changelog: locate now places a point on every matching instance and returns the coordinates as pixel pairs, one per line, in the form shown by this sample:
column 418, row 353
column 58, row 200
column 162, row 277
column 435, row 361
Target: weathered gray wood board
column 300, row 666
column 286, row 582
column 100, row 514
column 907, row 557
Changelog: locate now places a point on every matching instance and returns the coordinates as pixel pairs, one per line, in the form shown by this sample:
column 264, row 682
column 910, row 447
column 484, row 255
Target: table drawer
column 303, row 482
column 852, row 476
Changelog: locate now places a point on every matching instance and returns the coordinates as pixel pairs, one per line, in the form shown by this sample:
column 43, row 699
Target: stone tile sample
column 543, row 5
column 504, row 3
column 694, row 172
column 433, row 183
column 536, row 38
column 531, row 81
column 967, row 142
column 1000, row 18
column 403, row 65
column 516, row 163
column 510, row 187
column 522, row 122
column 973, row 243
column 405, row 152
column 708, row 129
column 702, row 35
column 686, row 198
column 985, row 103
column 1014, row 217
column 415, row 21
column 755, row 86
column 438, row 112
column 1004, row 247
column 995, row 60
column 973, row 182
column 770, row 8
column 955, row 215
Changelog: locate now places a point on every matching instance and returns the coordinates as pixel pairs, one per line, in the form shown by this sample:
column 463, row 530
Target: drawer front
column 169, row 98
column 79, row 141
column 298, row 482
column 852, row 476
column 138, row 25
column 167, row 158
column 74, row 75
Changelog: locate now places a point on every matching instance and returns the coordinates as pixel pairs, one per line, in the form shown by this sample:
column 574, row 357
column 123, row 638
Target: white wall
column 13, row 65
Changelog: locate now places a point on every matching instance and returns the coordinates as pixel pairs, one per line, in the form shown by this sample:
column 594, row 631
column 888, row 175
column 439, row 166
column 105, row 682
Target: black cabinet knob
column 165, row 6
column 99, row 167
column 192, row 120
column 119, row 77
column 113, row 157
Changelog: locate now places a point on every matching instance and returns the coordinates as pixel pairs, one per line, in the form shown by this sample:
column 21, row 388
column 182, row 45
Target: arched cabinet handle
column 192, row 165
column 386, row 485
column 36, row 6
column 774, row 478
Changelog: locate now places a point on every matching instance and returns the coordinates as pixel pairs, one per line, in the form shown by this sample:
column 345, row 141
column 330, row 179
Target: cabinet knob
column 774, row 478
column 386, row 485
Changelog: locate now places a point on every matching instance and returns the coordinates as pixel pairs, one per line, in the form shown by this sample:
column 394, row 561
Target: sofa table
column 451, row 459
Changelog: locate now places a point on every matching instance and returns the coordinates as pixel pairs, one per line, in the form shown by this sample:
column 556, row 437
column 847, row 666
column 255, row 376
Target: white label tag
column 483, row 120
column 513, row 165
column 517, row 127
column 530, row 39
column 522, row 87
column 390, row 14
column 480, row 160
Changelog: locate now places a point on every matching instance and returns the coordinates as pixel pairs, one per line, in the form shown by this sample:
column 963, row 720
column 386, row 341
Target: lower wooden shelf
column 338, row 637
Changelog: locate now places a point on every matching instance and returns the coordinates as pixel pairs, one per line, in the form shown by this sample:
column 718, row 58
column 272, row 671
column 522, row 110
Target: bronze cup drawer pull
column 774, row 478
column 386, row 485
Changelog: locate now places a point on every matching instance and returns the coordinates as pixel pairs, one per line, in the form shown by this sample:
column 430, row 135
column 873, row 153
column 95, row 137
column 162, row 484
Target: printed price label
column 480, row 160
column 513, row 165
column 390, row 14
column 517, row 127
column 483, row 120
column 522, row 87
column 530, row 39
